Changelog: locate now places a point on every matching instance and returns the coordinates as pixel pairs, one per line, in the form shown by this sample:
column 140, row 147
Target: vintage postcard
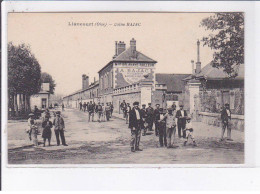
column 126, row 88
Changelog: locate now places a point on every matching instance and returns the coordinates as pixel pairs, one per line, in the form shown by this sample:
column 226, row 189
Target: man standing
column 157, row 118
column 123, row 106
column 144, row 116
column 80, row 106
column 181, row 116
column 170, row 127
column 59, row 126
column 149, row 112
column 135, row 119
column 91, row 109
column 62, row 106
column 84, row 106
column 226, row 122
column 111, row 108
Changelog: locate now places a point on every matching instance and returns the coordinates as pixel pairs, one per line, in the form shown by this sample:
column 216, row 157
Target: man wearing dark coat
column 156, row 116
column 149, row 111
column 226, row 121
column 181, row 122
column 59, row 126
column 135, row 120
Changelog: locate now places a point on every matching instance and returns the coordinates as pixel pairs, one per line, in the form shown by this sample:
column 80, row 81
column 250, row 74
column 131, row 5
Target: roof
column 173, row 82
column 212, row 73
column 126, row 56
column 92, row 85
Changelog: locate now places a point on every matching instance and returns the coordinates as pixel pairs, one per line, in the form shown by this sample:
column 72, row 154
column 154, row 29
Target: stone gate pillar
column 146, row 87
column 194, row 89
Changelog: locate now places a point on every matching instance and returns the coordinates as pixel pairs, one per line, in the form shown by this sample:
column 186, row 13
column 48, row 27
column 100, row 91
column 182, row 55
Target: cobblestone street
column 108, row 143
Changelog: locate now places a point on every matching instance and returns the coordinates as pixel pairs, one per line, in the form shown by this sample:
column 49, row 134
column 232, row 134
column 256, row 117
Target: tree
column 24, row 73
column 227, row 41
column 47, row 78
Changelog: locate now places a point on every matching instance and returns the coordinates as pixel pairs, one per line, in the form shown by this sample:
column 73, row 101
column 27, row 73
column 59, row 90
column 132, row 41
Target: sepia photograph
column 125, row 88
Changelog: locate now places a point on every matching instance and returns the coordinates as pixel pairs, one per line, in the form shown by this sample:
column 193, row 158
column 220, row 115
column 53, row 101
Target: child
column 46, row 134
column 33, row 129
column 189, row 132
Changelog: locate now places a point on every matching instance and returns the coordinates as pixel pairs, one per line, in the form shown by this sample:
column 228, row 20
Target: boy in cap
column 59, row 126
column 135, row 119
column 189, row 132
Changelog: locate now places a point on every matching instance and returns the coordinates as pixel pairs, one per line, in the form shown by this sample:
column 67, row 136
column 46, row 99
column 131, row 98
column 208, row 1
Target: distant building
column 41, row 99
column 129, row 76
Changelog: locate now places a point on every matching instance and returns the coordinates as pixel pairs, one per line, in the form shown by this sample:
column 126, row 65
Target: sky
column 66, row 51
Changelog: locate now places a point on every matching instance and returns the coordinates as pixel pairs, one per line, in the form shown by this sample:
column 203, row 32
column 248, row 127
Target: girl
column 46, row 134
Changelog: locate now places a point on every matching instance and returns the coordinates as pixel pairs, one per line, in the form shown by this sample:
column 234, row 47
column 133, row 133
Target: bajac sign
column 130, row 74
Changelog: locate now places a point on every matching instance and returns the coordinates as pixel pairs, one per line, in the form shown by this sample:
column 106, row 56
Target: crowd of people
column 143, row 119
column 102, row 111
column 139, row 120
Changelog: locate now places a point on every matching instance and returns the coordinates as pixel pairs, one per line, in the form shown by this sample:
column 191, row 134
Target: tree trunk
column 24, row 103
column 11, row 104
column 28, row 103
column 20, row 104
column 15, row 105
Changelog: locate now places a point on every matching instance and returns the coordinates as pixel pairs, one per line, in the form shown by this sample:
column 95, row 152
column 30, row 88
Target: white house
column 41, row 100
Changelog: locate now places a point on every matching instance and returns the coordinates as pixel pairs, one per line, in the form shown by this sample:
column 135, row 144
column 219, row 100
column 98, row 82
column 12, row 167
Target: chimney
column 192, row 65
column 83, row 81
column 116, row 49
column 87, row 82
column 120, row 47
column 198, row 64
column 94, row 79
column 133, row 47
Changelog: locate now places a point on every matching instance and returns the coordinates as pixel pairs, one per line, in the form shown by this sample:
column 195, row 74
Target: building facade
column 129, row 76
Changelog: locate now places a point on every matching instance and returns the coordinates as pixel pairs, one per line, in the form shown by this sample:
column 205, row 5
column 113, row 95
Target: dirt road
column 109, row 143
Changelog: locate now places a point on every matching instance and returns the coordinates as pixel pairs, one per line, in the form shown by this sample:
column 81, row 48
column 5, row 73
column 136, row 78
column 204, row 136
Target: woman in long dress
column 46, row 133
column 33, row 129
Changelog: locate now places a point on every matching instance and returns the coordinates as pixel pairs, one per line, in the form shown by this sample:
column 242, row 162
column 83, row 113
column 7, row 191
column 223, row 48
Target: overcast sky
column 66, row 52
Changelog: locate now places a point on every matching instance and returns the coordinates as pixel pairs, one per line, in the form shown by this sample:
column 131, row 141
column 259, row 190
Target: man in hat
column 149, row 118
column 156, row 116
column 123, row 106
column 181, row 122
column 91, row 109
column 170, row 127
column 143, row 122
column 135, row 119
column 226, row 122
column 59, row 126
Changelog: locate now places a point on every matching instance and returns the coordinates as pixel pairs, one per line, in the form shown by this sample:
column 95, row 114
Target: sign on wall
column 130, row 74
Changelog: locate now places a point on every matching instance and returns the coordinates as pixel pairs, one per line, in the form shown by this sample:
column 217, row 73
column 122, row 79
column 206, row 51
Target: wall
column 129, row 98
column 106, row 80
column 237, row 121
